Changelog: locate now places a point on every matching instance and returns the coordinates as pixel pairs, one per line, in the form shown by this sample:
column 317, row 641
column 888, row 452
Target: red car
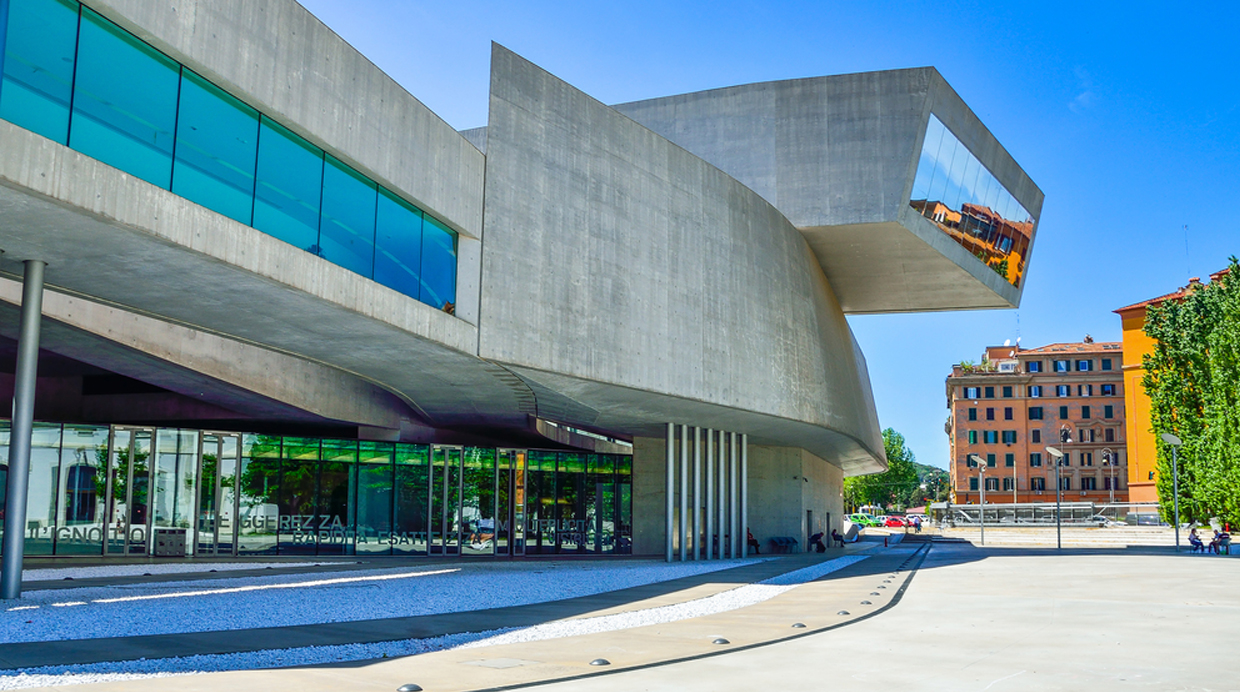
column 895, row 522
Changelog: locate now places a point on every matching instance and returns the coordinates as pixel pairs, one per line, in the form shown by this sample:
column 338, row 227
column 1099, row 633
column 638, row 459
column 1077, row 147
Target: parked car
column 895, row 522
column 862, row 519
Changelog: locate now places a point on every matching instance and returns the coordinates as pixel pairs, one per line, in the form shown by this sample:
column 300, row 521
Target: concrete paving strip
column 85, row 651
column 817, row 605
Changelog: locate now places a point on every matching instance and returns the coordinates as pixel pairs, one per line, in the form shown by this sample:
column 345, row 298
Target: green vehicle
column 862, row 519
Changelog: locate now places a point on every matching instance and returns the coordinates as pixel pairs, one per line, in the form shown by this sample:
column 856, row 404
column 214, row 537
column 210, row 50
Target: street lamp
column 1108, row 459
column 1175, row 443
column 981, row 482
column 1058, row 457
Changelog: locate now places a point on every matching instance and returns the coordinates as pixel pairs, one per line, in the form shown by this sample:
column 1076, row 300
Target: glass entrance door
column 445, row 504
column 510, row 501
column 129, row 482
column 216, row 527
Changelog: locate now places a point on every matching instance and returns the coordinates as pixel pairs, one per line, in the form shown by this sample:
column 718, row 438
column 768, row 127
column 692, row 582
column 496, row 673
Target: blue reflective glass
column 347, row 229
column 290, row 182
column 398, row 251
column 217, row 141
column 958, row 193
column 124, row 101
column 438, row 264
column 39, row 44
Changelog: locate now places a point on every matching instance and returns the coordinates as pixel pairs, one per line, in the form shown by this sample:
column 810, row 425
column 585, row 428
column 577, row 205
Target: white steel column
column 745, row 494
column 710, row 495
column 734, row 518
column 721, row 492
column 697, row 493
column 671, row 486
column 684, row 490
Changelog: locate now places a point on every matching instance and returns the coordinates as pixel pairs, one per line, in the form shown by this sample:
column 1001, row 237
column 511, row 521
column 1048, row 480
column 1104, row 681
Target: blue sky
column 1126, row 115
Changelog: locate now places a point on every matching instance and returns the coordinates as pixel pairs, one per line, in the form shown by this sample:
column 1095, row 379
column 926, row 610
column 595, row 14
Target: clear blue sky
column 1127, row 115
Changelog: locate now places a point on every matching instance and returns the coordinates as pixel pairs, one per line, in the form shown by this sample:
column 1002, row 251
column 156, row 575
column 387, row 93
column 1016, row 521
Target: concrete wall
column 649, row 496
column 613, row 256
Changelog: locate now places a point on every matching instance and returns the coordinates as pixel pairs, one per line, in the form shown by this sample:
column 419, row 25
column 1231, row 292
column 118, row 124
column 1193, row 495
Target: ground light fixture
column 409, row 688
column 981, row 483
column 1058, row 457
column 1175, row 443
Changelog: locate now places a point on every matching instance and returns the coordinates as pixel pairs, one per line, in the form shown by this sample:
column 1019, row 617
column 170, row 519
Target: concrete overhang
column 838, row 156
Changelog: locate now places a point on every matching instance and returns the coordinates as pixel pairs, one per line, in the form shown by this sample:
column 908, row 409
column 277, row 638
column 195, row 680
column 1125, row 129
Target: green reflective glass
column 217, row 149
column 124, row 101
column 347, row 229
column 398, row 244
column 39, row 44
column 438, row 264
column 290, row 183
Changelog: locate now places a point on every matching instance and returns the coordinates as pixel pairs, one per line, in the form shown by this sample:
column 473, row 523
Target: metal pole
column 671, row 485
column 684, row 492
column 697, row 492
column 745, row 493
column 981, row 478
column 24, row 383
column 710, row 495
column 1174, row 480
column 733, row 506
column 1058, row 499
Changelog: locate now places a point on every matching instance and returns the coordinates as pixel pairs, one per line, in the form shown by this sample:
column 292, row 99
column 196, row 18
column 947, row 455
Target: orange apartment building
column 1142, row 447
column 1012, row 406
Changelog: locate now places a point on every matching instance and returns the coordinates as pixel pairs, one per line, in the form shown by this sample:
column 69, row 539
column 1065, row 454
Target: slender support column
column 710, row 495
column 734, row 514
column 745, row 494
column 23, row 422
column 721, row 492
column 671, row 486
column 697, row 493
column 684, row 491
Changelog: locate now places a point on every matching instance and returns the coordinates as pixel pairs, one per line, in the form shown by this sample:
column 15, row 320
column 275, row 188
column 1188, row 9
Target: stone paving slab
column 816, row 605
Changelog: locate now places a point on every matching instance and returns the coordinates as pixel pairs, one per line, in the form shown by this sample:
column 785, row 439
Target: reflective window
column 478, row 525
column 39, row 47
column 954, row 190
column 83, row 460
column 412, row 496
column 347, row 227
column 174, row 482
column 258, row 515
column 438, row 265
column 375, row 484
column 124, row 101
column 290, row 182
column 217, row 140
column 335, row 519
column 398, row 240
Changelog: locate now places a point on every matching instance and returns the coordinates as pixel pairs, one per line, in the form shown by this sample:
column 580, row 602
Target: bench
column 783, row 544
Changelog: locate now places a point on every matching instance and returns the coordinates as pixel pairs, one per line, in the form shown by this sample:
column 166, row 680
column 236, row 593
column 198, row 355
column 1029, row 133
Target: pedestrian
column 816, row 542
column 917, row 524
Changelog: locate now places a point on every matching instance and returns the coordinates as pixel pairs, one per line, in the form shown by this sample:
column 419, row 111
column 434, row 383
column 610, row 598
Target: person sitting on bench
column 1195, row 541
column 836, row 538
column 753, row 542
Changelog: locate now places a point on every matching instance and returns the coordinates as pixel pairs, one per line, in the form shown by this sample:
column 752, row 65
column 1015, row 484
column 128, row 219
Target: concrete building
column 288, row 309
column 1013, row 405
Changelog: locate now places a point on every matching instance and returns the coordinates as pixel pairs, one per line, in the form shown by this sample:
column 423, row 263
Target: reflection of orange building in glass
column 1001, row 243
column 1011, row 407
column 1142, row 449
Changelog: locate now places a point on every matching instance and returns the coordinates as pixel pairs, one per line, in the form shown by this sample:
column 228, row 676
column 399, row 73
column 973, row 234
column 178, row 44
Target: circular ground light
column 600, row 662
column 721, row 640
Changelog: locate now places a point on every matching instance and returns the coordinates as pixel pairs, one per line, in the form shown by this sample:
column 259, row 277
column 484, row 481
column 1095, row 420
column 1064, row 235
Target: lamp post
column 1175, row 443
column 981, row 483
column 1058, row 457
column 1108, row 459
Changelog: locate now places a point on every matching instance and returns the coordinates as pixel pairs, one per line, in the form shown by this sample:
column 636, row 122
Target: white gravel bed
column 732, row 599
column 98, row 571
column 280, row 600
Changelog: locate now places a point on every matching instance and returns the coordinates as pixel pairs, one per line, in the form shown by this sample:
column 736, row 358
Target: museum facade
column 286, row 309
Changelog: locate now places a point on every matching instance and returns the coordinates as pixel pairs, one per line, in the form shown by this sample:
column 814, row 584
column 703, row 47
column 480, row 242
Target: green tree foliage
column 1193, row 381
column 892, row 488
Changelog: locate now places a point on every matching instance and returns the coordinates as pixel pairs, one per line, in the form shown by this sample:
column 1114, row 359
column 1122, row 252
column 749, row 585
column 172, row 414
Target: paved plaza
column 941, row 616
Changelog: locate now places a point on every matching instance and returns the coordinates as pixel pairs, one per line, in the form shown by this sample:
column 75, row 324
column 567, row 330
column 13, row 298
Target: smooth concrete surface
column 283, row 61
column 837, row 155
column 623, row 272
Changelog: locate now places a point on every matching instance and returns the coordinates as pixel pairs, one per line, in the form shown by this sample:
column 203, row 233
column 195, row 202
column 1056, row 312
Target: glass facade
column 73, row 76
column 177, row 492
column 956, row 191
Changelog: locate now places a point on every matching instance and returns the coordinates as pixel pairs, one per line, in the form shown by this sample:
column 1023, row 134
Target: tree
column 1193, row 381
column 894, row 486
